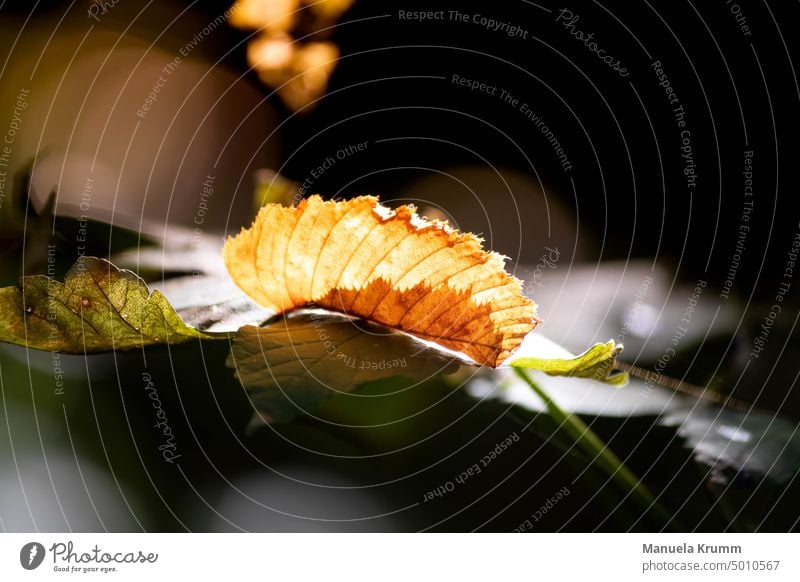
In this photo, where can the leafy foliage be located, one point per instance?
(97, 308)
(292, 365)
(596, 363)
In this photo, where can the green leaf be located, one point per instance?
(97, 308)
(292, 365)
(596, 363)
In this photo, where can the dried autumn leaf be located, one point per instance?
(388, 266)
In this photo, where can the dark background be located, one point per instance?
(625, 197)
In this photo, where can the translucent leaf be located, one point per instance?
(387, 266)
(97, 308)
(292, 365)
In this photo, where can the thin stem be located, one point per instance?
(603, 456)
(685, 387)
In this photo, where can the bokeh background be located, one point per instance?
(651, 200)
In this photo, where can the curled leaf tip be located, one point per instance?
(597, 363)
(389, 266)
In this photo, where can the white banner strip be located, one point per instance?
(401, 557)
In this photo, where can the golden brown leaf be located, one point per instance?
(388, 266)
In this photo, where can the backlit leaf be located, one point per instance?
(391, 267)
(97, 308)
(293, 364)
